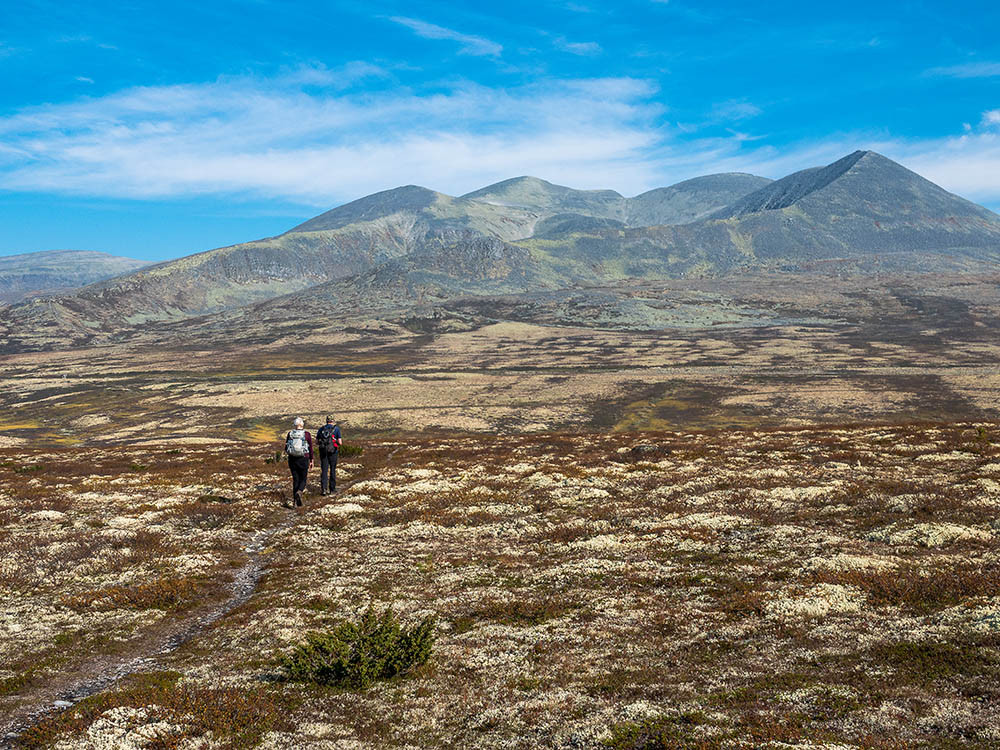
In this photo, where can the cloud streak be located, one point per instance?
(470, 45)
(257, 138)
(967, 70)
(584, 49)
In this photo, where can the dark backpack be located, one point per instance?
(327, 442)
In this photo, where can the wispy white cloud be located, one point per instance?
(342, 77)
(84, 39)
(735, 109)
(83, 79)
(304, 137)
(247, 136)
(967, 70)
(470, 45)
(586, 49)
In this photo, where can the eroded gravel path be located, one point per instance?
(104, 671)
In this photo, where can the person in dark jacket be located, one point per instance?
(299, 447)
(328, 441)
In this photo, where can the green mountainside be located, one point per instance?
(342, 243)
(52, 271)
(862, 214)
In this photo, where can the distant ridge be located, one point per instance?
(539, 195)
(691, 200)
(57, 271)
(862, 214)
(377, 205)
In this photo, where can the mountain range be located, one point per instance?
(862, 214)
(53, 271)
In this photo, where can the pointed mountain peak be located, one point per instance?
(796, 186)
(863, 183)
(543, 197)
(377, 205)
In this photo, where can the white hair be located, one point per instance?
(298, 424)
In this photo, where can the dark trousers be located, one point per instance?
(327, 465)
(299, 466)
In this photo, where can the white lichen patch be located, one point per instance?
(818, 601)
(930, 535)
(725, 590)
(341, 509)
(846, 562)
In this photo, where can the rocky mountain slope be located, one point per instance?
(862, 214)
(691, 200)
(53, 271)
(345, 242)
(861, 204)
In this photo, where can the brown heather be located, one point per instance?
(834, 587)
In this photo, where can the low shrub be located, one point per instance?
(210, 498)
(927, 661)
(347, 451)
(355, 655)
(655, 733)
(918, 591)
(166, 593)
(231, 717)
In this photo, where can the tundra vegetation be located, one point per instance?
(831, 586)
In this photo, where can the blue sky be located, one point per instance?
(158, 129)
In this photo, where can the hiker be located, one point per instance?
(299, 447)
(328, 440)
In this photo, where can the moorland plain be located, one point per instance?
(862, 350)
(822, 587)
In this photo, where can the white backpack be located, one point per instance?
(296, 445)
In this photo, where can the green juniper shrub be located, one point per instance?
(355, 655)
(347, 451)
(657, 733)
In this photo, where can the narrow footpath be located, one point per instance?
(104, 671)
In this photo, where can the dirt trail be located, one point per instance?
(103, 671)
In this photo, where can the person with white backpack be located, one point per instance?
(299, 447)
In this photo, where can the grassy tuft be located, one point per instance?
(166, 593)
